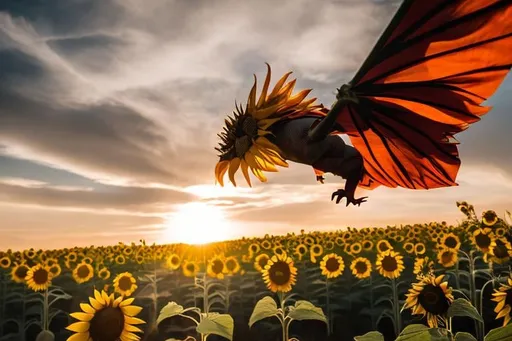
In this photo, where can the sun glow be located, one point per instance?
(198, 223)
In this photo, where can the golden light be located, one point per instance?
(198, 223)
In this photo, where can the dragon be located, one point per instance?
(424, 81)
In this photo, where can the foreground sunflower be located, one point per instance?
(39, 278)
(261, 261)
(361, 268)
(500, 251)
(125, 284)
(503, 296)
(447, 257)
(450, 241)
(431, 297)
(280, 273)
(106, 319)
(83, 272)
(390, 264)
(216, 267)
(482, 239)
(332, 265)
(423, 266)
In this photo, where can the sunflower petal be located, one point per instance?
(87, 308)
(245, 171)
(264, 90)
(98, 297)
(220, 170)
(279, 85)
(126, 302)
(78, 327)
(131, 310)
(233, 167)
(83, 317)
(79, 337)
(132, 329)
(133, 320)
(95, 304)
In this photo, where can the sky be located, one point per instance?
(109, 112)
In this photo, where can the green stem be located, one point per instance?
(205, 294)
(396, 308)
(155, 293)
(45, 310)
(284, 326)
(328, 303)
(374, 325)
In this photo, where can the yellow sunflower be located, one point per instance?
(243, 143)
(430, 297)
(266, 245)
(83, 272)
(216, 267)
(55, 269)
(106, 319)
(261, 261)
(447, 257)
(489, 218)
(356, 248)
(423, 266)
(450, 241)
(39, 277)
(120, 259)
(409, 247)
(104, 273)
(19, 272)
(173, 262)
(361, 267)
(232, 265)
(280, 273)
(301, 250)
(367, 245)
(390, 264)
(503, 296)
(482, 239)
(190, 268)
(315, 250)
(5, 262)
(383, 245)
(254, 248)
(125, 284)
(500, 251)
(419, 249)
(332, 265)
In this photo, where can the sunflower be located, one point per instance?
(106, 319)
(83, 272)
(500, 232)
(266, 245)
(450, 241)
(125, 284)
(383, 245)
(301, 250)
(423, 266)
(367, 245)
(19, 272)
(55, 269)
(315, 250)
(361, 267)
(173, 262)
(261, 261)
(409, 247)
(332, 265)
(139, 258)
(431, 297)
(190, 268)
(232, 265)
(216, 267)
(329, 245)
(30, 253)
(243, 142)
(104, 273)
(309, 241)
(482, 239)
(503, 297)
(5, 262)
(120, 259)
(253, 249)
(339, 241)
(390, 264)
(356, 248)
(278, 249)
(489, 218)
(500, 251)
(280, 274)
(447, 257)
(419, 249)
(39, 278)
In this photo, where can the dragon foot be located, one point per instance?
(341, 193)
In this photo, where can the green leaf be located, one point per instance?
(438, 334)
(170, 310)
(266, 307)
(218, 324)
(415, 332)
(463, 336)
(500, 334)
(371, 336)
(462, 307)
(305, 310)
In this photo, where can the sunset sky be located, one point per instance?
(109, 112)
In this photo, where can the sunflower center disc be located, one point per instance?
(483, 240)
(217, 266)
(230, 265)
(40, 276)
(361, 267)
(263, 261)
(389, 264)
(279, 273)
(433, 299)
(107, 324)
(83, 271)
(125, 283)
(332, 265)
(500, 251)
(450, 242)
(21, 272)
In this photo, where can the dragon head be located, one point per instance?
(243, 142)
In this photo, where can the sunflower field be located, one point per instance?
(406, 283)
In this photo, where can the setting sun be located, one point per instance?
(197, 223)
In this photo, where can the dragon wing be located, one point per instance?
(424, 81)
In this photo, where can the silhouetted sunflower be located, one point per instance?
(106, 319)
(5, 262)
(482, 239)
(190, 268)
(423, 266)
(430, 297)
(104, 273)
(383, 245)
(361, 267)
(503, 296)
(216, 268)
(447, 257)
(173, 262)
(83, 272)
(261, 261)
(38, 278)
(19, 272)
(280, 273)
(232, 265)
(450, 241)
(489, 218)
(332, 265)
(389, 264)
(500, 251)
(125, 284)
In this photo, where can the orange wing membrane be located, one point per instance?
(425, 81)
